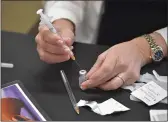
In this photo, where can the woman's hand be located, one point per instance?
(119, 65)
(50, 46)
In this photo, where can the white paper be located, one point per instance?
(160, 78)
(150, 93)
(134, 98)
(134, 86)
(158, 115)
(107, 107)
(146, 78)
(138, 100)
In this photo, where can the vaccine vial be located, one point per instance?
(82, 76)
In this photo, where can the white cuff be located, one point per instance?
(163, 32)
(61, 13)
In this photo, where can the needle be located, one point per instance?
(77, 64)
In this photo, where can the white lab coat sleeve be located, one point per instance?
(71, 10)
(163, 32)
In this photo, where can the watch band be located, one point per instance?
(151, 41)
(156, 50)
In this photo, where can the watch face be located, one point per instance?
(158, 54)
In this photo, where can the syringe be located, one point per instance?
(47, 22)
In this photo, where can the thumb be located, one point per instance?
(68, 41)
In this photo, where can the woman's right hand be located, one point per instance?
(51, 48)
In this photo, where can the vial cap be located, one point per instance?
(82, 72)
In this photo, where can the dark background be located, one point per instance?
(128, 19)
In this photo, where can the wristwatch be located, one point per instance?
(156, 50)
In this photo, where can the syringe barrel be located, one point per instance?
(46, 21)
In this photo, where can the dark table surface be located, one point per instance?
(44, 83)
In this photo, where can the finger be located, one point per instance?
(38, 38)
(68, 41)
(103, 74)
(116, 82)
(50, 37)
(42, 25)
(133, 74)
(109, 69)
(55, 49)
(71, 47)
(128, 77)
(51, 58)
(98, 63)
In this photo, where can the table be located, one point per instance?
(44, 82)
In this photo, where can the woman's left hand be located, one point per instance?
(119, 65)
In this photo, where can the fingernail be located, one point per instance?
(71, 47)
(82, 87)
(85, 85)
(67, 50)
(71, 53)
(67, 38)
(60, 41)
(66, 47)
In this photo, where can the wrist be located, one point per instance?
(143, 49)
(160, 41)
(63, 24)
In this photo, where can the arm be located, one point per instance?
(121, 64)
